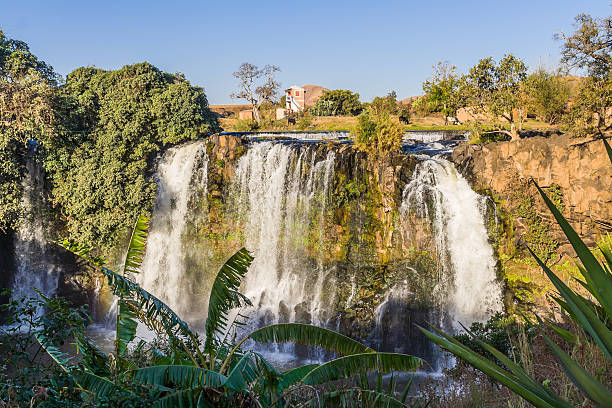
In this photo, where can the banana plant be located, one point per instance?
(592, 316)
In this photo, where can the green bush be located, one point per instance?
(337, 102)
(378, 134)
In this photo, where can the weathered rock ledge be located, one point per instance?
(580, 169)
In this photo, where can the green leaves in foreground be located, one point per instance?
(224, 295)
(348, 366)
(590, 316)
(311, 335)
(126, 312)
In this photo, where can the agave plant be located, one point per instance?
(594, 316)
(219, 372)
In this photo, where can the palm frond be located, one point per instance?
(62, 359)
(245, 372)
(355, 397)
(310, 335)
(98, 385)
(126, 317)
(137, 246)
(348, 366)
(179, 375)
(224, 295)
(126, 325)
(188, 398)
(94, 359)
(291, 377)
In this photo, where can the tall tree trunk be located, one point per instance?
(513, 132)
(256, 113)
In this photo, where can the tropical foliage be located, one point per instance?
(27, 113)
(591, 312)
(95, 134)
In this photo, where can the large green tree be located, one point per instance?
(27, 99)
(496, 88)
(446, 91)
(113, 125)
(590, 48)
(336, 103)
(546, 95)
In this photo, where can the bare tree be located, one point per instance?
(249, 75)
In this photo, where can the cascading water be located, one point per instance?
(35, 267)
(278, 204)
(181, 175)
(282, 194)
(438, 192)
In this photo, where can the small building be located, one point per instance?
(295, 99)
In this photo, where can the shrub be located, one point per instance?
(378, 134)
(337, 102)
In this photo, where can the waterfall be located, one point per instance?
(282, 193)
(35, 267)
(181, 175)
(277, 204)
(440, 194)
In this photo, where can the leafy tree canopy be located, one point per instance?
(378, 134)
(384, 104)
(590, 48)
(496, 88)
(446, 91)
(336, 103)
(546, 95)
(112, 125)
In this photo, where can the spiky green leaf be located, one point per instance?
(535, 395)
(598, 281)
(590, 386)
(582, 311)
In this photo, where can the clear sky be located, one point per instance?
(371, 47)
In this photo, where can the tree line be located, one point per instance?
(497, 96)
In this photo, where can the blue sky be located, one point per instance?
(371, 47)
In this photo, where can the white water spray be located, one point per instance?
(282, 194)
(182, 172)
(439, 193)
(34, 266)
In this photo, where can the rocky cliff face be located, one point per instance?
(577, 176)
(580, 170)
